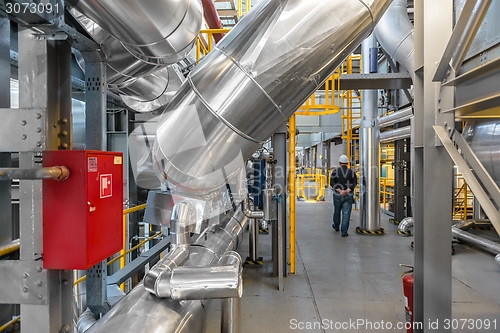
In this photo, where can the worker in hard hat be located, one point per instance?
(343, 182)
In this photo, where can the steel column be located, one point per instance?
(433, 204)
(5, 159)
(369, 151)
(44, 83)
(280, 184)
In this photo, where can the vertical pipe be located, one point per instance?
(349, 118)
(369, 150)
(254, 240)
(291, 184)
(122, 252)
(230, 312)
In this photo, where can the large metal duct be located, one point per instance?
(155, 31)
(252, 82)
(142, 312)
(143, 86)
(483, 136)
(369, 133)
(394, 32)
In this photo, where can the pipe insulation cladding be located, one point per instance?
(252, 82)
(159, 32)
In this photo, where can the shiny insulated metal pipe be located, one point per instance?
(154, 31)
(142, 312)
(56, 172)
(394, 32)
(483, 243)
(369, 133)
(230, 315)
(191, 283)
(143, 87)
(182, 216)
(252, 82)
(396, 134)
(396, 117)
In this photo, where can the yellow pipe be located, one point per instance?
(112, 261)
(247, 2)
(134, 248)
(215, 31)
(10, 323)
(9, 248)
(124, 246)
(134, 209)
(240, 8)
(291, 181)
(83, 278)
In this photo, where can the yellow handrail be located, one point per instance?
(10, 323)
(83, 278)
(10, 247)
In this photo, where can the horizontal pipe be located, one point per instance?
(396, 117)
(482, 243)
(466, 225)
(191, 283)
(497, 259)
(10, 247)
(396, 134)
(56, 172)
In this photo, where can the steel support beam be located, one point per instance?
(5, 157)
(44, 83)
(432, 165)
(279, 182)
(95, 105)
(375, 81)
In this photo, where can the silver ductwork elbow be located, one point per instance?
(253, 214)
(252, 82)
(182, 216)
(394, 32)
(159, 32)
(223, 280)
(405, 226)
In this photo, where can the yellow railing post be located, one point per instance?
(291, 182)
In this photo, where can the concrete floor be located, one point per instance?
(346, 281)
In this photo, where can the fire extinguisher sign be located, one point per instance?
(106, 181)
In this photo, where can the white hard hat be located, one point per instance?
(343, 159)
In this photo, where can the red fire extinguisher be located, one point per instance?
(408, 293)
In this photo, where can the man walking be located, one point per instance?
(343, 181)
